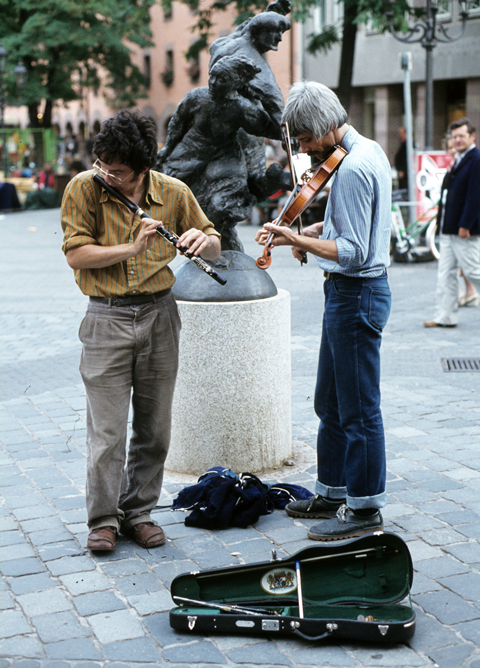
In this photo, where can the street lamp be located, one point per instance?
(428, 33)
(20, 72)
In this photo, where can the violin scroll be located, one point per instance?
(265, 260)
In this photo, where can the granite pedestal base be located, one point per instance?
(232, 404)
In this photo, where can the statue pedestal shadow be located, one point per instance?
(232, 403)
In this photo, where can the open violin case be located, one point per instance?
(347, 590)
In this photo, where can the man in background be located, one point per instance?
(400, 161)
(459, 215)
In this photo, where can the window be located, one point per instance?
(473, 7)
(320, 16)
(168, 73)
(147, 67)
(444, 10)
(337, 11)
(167, 10)
(193, 69)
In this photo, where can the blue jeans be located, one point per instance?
(351, 441)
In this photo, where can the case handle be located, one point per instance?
(330, 629)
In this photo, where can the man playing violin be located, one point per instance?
(352, 249)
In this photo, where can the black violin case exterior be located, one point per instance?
(346, 590)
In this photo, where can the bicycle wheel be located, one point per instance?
(433, 239)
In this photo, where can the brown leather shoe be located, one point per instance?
(102, 539)
(432, 323)
(146, 534)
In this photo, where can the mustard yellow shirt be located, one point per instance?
(90, 215)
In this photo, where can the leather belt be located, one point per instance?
(330, 276)
(132, 300)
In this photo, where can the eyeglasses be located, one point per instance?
(104, 173)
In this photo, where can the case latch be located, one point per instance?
(383, 628)
(270, 625)
(192, 620)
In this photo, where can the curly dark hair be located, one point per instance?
(128, 138)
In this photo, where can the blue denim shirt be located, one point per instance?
(358, 214)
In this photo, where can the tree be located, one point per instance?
(69, 44)
(355, 13)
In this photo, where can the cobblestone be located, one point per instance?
(62, 607)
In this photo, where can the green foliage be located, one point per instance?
(67, 44)
(365, 11)
(370, 12)
(198, 45)
(323, 41)
(244, 9)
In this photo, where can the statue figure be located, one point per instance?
(253, 38)
(215, 141)
(202, 147)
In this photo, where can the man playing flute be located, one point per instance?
(130, 333)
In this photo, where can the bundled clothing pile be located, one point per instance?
(223, 499)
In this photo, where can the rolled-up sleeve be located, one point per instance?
(78, 215)
(353, 224)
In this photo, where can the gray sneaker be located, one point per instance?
(346, 524)
(315, 506)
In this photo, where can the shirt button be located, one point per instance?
(134, 292)
(131, 272)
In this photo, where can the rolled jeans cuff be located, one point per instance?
(360, 502)
(333, 493)
(353, 502)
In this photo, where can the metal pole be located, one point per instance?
(2, 126)
(428, 43)
(429, 98)
(407, 103)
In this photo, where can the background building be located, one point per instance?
(377, 97)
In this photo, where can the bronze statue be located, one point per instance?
(215, 141)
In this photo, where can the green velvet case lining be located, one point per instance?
(374, 569)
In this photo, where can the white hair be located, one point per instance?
(314, 109)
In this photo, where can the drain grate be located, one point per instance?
(461, 364)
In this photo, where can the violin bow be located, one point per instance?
(264, 261)
(288, 147)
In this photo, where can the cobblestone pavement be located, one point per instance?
(62, 607)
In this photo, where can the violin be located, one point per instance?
(302, 196)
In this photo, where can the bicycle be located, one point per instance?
(405, 241)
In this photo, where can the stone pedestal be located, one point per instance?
(232, 404)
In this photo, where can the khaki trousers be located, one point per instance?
(130, 353)
(455, 252)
